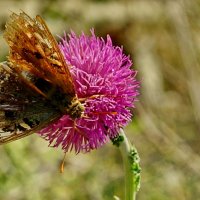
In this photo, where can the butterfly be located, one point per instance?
(36, 86)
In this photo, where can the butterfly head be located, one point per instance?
(75, 109)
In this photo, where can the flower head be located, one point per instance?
(107, 86)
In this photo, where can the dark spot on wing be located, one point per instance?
(38, 55)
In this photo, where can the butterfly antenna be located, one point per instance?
(62, 166)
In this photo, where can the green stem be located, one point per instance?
(131, 167)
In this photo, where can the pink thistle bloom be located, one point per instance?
(102, 76)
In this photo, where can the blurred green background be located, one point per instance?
(163, 39)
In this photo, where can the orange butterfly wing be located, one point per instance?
(34, 55)
(35, 52)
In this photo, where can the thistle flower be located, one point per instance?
(106, 84)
